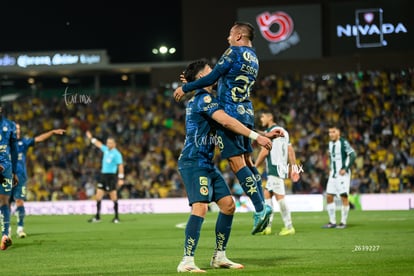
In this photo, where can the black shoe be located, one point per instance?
(329, 225)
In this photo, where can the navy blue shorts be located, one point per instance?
(19, 191)
(6, 181)
(204, 185)
(233, 144)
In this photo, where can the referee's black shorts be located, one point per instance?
(108, 181)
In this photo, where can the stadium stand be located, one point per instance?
(375, 109)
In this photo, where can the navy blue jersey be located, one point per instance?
(23, 145)
(236, 73)
(8, 145)
(200, 138)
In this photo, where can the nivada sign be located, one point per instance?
(367, 27)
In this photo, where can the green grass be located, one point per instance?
(152, 244)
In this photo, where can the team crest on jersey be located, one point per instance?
(5, 128)
(207, 99)
(204, 190)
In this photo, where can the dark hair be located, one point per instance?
(247, 27)
(334, 125)
(278, 117)
(192, 69)
(268, 111)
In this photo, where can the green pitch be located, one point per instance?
(375, 243)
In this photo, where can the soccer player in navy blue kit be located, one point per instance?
(236, 72)
(203, 181)
(19, 191)
(112, 175)
(8, 174)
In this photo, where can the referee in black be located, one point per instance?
(112, 174)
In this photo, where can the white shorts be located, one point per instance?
(276, 185)
(338, 185)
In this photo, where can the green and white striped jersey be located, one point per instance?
(339, 152)
(277, 159)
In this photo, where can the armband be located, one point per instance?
(253, 135)
(93, 140)
(121, 176)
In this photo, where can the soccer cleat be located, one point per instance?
(219, 260)
(21, 233)
(5, 242)
(341, 226)
(94, 219)
(189, 266)
(267, 231)
(261, 219)
(286, 231)
(115, 220)
(329, 225)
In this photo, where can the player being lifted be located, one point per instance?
(236, 73)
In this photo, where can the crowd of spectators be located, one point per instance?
(374, 109)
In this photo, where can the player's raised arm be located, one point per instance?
(44, 136)
(94, 141)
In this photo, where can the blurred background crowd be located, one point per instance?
(374, 109)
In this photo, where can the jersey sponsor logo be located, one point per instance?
(203, 181)
(249, 57)
(210, 106)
